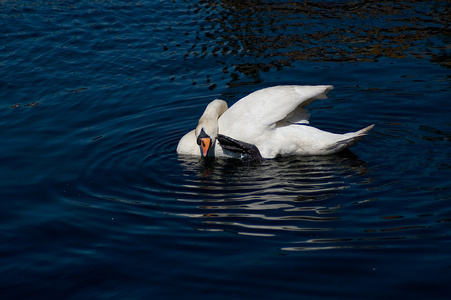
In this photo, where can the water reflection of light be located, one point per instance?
(285, 195)
(360, 242)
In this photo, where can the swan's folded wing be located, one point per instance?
(269, 106)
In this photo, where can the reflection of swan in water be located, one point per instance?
(268, 123)
(284, 195)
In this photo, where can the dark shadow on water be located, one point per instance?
(232, 169)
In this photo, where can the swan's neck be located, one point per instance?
(209, 120)
(214, 110)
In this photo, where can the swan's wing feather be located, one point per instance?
(298, 116)
(268, 106)
(245, 150)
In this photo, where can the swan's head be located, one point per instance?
(207, 129)
(206, 141)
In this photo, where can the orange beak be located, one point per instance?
(205, 144)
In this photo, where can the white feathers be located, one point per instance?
(273, 119)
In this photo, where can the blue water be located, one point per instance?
(96, 204)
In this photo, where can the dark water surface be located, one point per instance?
(95, 203)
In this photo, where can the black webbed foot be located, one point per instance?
(248, 151)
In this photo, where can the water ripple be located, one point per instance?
(270, 197)
(298, 200)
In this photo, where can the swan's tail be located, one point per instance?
(363, 131)
(351, 138)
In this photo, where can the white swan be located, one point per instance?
(274, 120)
